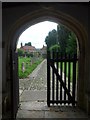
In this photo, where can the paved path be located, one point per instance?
(33, 98)
(37, 80)
(34, 88)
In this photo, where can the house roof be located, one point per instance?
(28, 47)
(44, 48)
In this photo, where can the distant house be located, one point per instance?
(43, 51)
(29, 49)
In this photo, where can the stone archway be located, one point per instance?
(59, 17)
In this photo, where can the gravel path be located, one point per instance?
(37, 80)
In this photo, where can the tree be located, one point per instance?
(71, 44)
(63, 34)
(55, 48)
(29, 44)
(51, 39)
(64, 38)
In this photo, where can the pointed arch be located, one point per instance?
(58, 17)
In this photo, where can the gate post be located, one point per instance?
(48, 78)
(74, 79)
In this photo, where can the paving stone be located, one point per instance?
(30, 114)
(33, 95)
(20, 92)
(59, 114)
(53, 114)
(34, 105)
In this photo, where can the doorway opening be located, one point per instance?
(33, 88)
(32, 57)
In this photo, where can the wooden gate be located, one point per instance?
(14, 83)
(61, 79)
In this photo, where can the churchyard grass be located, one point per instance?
(28, 66)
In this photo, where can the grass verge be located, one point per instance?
(28, 68)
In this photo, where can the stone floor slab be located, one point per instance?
(53, 114)
(30, 114)
(65, 112)
(34, 105)
(32, 95)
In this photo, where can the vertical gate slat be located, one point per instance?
(48, 78)
(69, 75)
(61, 77)
(65, 76)
(53, 78)
(74, 79)
(57, 79)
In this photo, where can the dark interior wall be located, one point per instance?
(13, 12)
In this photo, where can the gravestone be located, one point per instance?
(23, 67)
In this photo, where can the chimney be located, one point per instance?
(21, 45)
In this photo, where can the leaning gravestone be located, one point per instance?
(23, 67)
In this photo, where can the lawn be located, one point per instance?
(28, 67)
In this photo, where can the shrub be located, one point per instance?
(20, 52)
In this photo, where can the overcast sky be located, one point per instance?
(36, 34)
